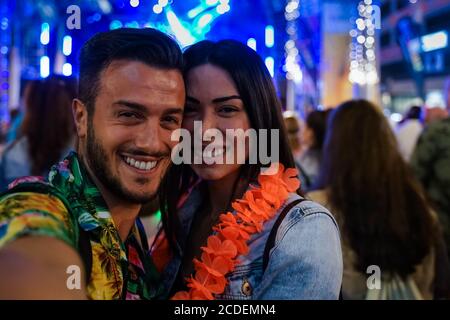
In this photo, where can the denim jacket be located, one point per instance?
(304, 263)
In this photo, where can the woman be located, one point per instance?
(47, 131)
(382, 213)
(312, 138)
(292, 124)
(228, 87)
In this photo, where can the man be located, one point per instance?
(84, 216)
(431, 163)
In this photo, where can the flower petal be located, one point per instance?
(181, 295)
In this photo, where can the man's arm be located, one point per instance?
(35, 267)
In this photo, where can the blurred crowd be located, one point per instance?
(388, 187)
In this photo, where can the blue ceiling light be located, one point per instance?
(434, 41)
(223, 8)
(194, 12)
(204, 20)
(67, 45)
(44, 67)
(157, 9)
(104, 6)
(163, 3)
(132, 24)
(270, 64)
(67, 69)
(269, 36)
(251, 42)
(97, 17)
(115, 24)
(182, 34)
(45, 33)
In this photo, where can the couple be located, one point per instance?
(229, 231)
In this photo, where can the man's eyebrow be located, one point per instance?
(173, 111)
(140, 107)
(132, 105)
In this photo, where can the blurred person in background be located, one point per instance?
(292, 123)
(408, 131)
(435, 114)
(431, 164)
(312, 138)
(46, 133)
(15, 121)
(381, 210)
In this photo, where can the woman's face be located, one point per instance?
(307, 136)
(213, 99)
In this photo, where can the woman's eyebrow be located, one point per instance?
(223, 99)
(216, 100)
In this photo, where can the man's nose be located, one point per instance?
(149, 138)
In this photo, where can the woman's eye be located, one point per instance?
(228, 109)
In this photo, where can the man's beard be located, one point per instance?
(100, 168)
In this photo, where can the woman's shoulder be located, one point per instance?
(307, 209)
(308, 243)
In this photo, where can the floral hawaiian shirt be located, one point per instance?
(60, 207)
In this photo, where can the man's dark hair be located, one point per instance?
(148, 46)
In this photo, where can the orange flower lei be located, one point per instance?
(219, 257)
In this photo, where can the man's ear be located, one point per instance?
(80, 116)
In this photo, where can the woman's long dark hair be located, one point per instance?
(48, 123)
(255, 87)
(385, 216)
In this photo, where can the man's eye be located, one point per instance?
(171, 120)
(129, 115)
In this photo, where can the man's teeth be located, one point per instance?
(142, 165)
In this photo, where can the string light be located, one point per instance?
(5, 41)
(291, 66)
(363, 67)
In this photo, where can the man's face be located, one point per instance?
(126, 141)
